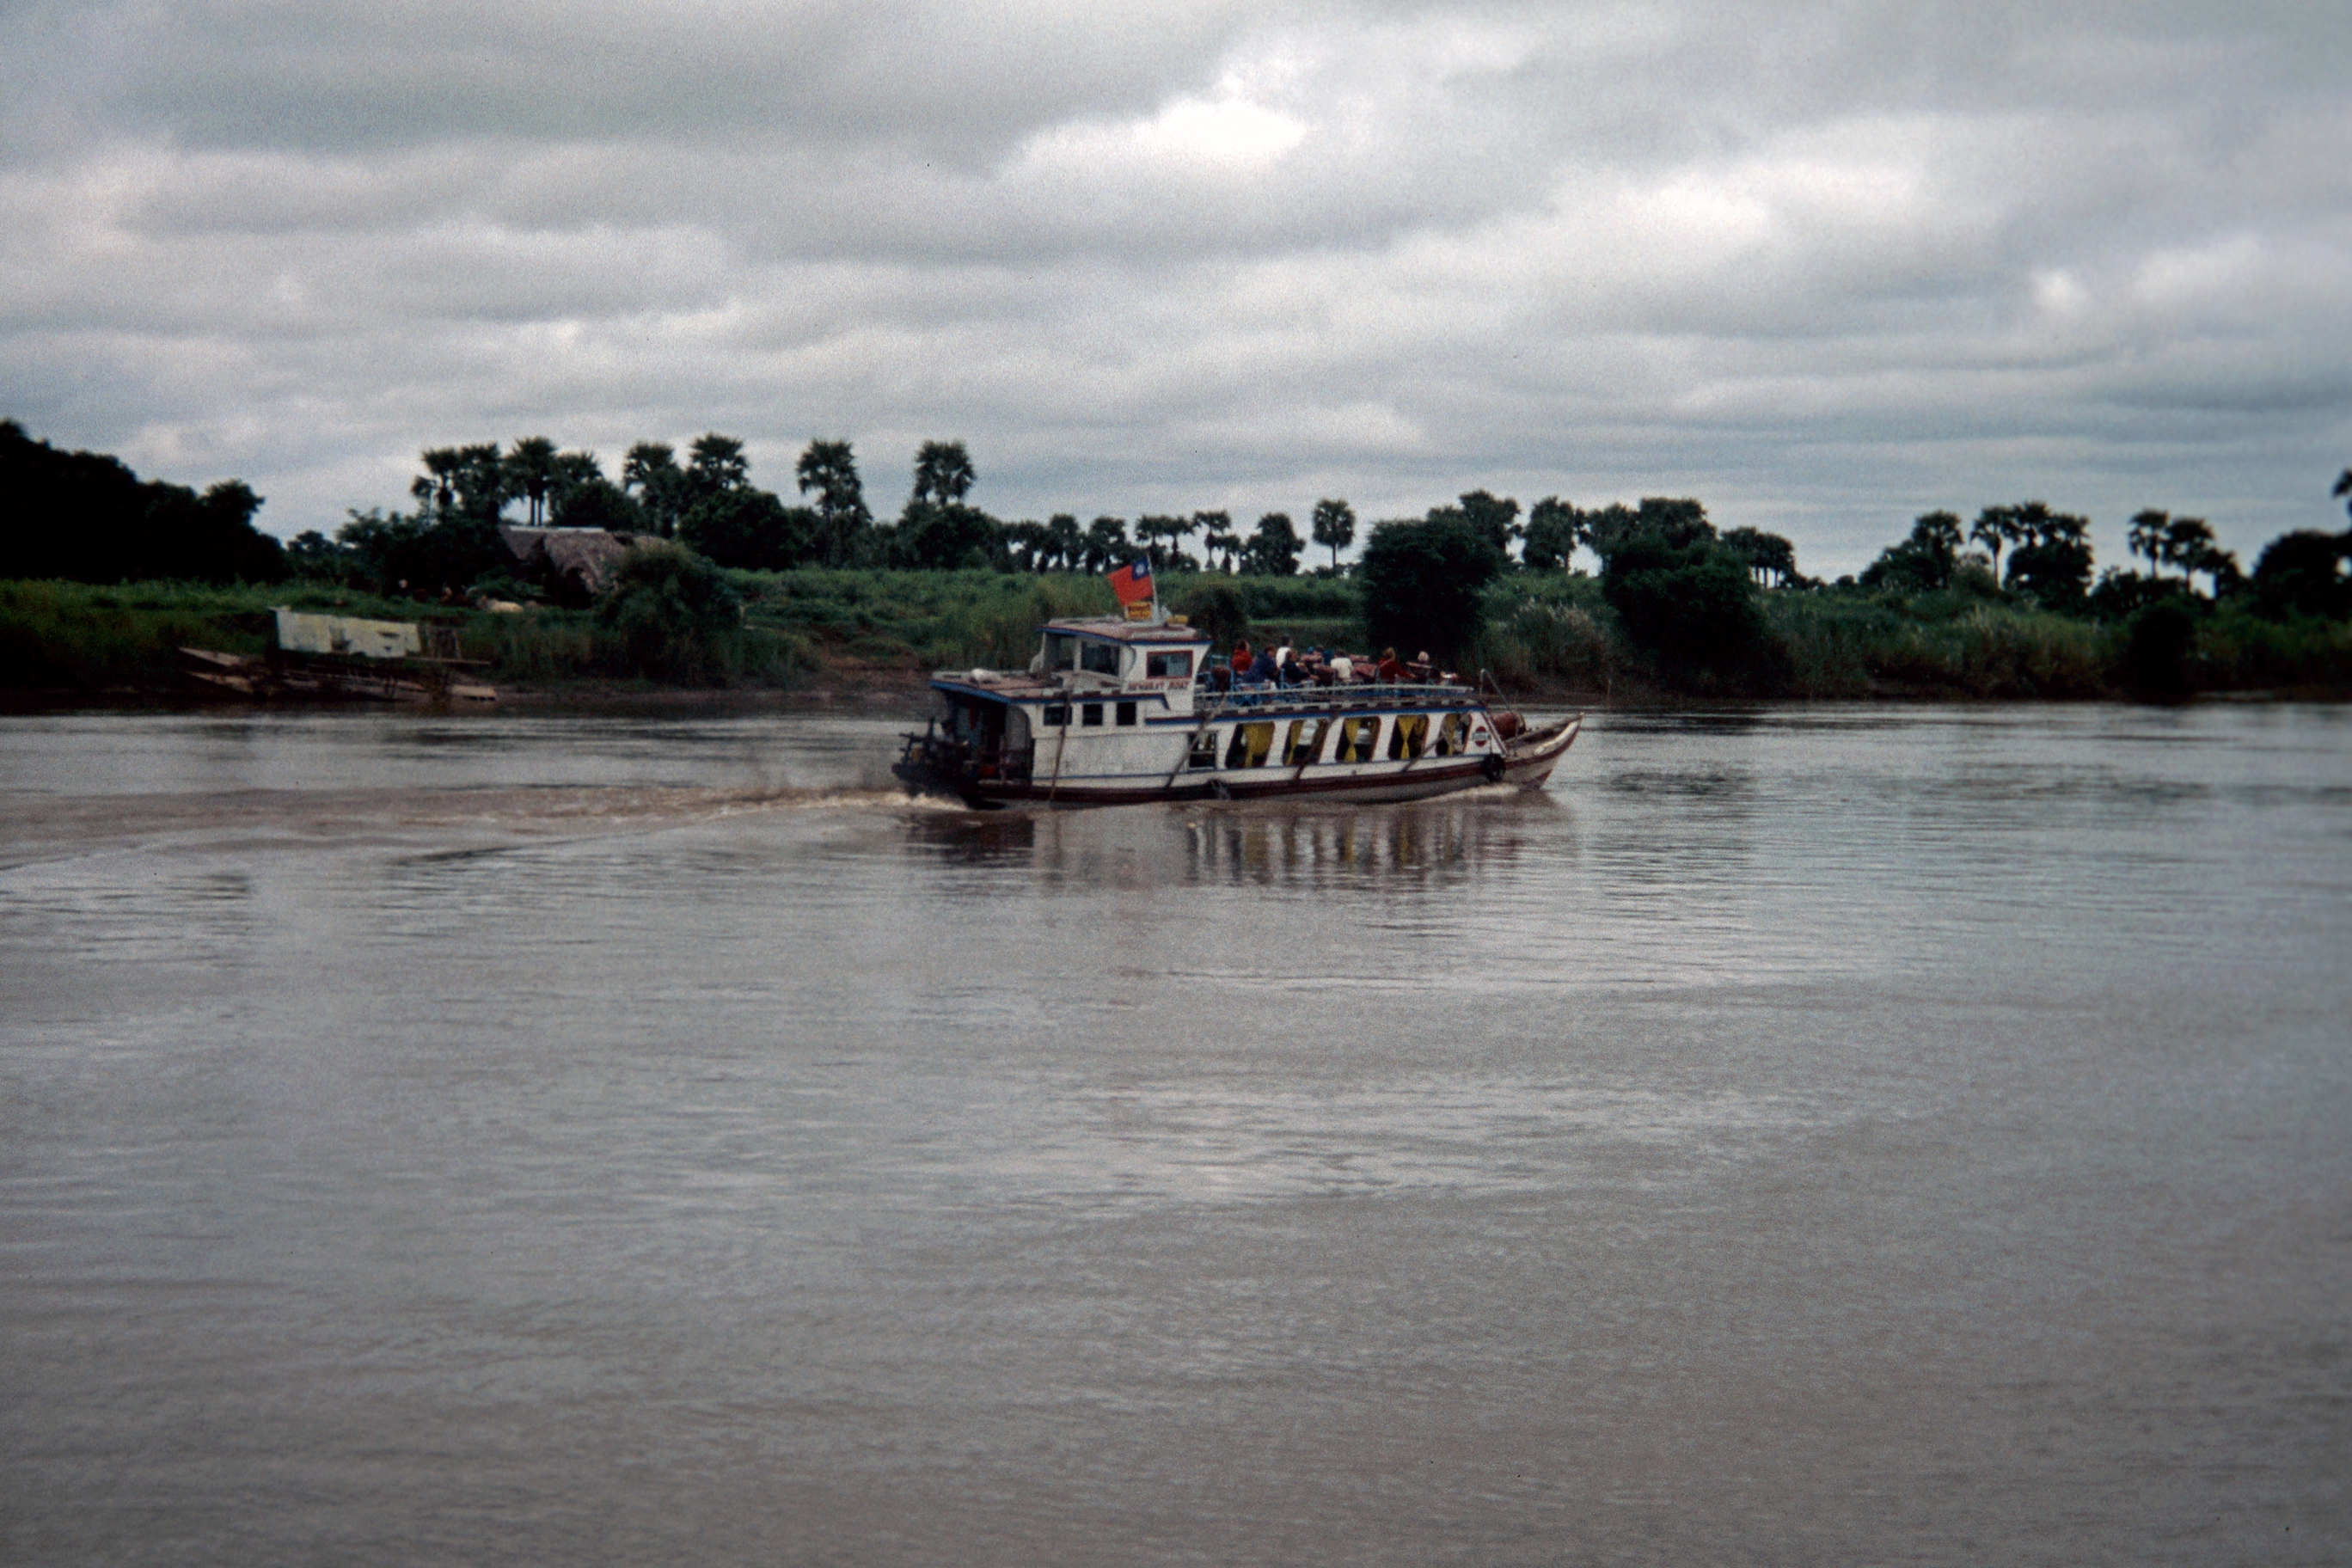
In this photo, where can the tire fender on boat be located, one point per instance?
(1493, 766)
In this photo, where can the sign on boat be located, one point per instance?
(1115, 712)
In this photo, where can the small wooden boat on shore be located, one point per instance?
(1119, 712)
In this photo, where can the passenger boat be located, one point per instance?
(1117, 712)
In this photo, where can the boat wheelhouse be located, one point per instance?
(1119, 711)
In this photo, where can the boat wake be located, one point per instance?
(36, 827)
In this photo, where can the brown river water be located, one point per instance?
(1805, 1135)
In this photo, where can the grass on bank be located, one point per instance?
(1542, 630)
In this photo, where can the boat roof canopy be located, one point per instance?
(1114, 631)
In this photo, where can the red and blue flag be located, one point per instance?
(1133, 581)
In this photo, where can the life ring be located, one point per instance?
(1493, 766)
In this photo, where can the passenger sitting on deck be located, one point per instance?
(1421, 666)
(1343, 667)
(1240, 663)
(1390, 671)
(1293, 672)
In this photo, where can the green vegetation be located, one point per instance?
(718, 583)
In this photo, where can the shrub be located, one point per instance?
(670, 615)
(2157, 646)
(1216, 607)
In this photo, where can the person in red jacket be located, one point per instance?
(1391, 670)
(1240, 661)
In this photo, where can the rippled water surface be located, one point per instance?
(1797, 1135)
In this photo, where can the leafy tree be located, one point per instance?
(1105, 544)
(422, 556)
(947, 536)
(1423, 583)
(1334, 528)
(651, 473)
(943, 472)
(598, 503)
(1692, 607)
(1555, 528)
(1677, 523)
(745, 527)
(530, 469)
(2303, 573)
(312, 553)
(1497, 518)
(1273, 549)
(85, 516)
(830, 469)
(669, 614)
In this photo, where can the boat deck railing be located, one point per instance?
(1334, 699)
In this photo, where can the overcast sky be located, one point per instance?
(1823, 266)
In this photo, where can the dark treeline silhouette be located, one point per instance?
(85, 517)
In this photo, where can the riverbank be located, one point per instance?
(868, 640)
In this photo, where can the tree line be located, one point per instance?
(86, 517)
(1674, 578)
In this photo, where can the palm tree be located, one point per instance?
(1992, 529)
(651, 472)
(530, 465)
(569, 472)
(1105, 544)
(830, 469)
(717, 464)
(1334, 527)
(943, 472)
(438, 487)
(2147, 537)
(1066, 540)
(2189, 544)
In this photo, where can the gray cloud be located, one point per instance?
(1824, 267)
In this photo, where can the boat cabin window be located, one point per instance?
(1250, 744)
(1127, 714)
(1454, 735)
(1102, 657)
(1407, 737)
(1060, 651)
(1204, 750)
(1356, 737)
(1169, 665)
(1055, 716)
(1304, 744)
(1090, 715)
